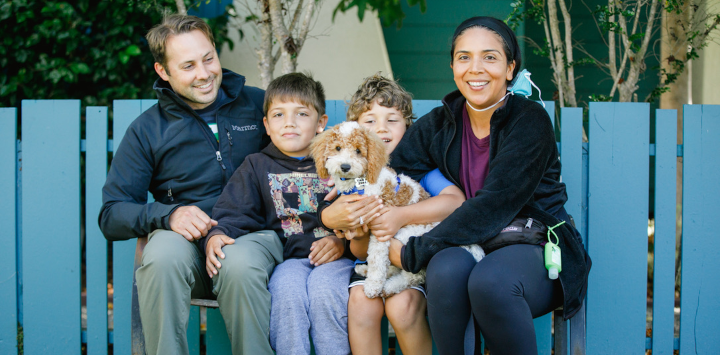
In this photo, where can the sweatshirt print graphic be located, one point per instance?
(294, 194)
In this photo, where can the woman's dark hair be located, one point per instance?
(510, 44)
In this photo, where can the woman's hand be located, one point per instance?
(349, 212)
(326, 250)
(387, 224)
(394, 252)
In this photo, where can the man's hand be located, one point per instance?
(213, 250)
(191, 222)
(388, 223)
(326, 250)
(351, 211)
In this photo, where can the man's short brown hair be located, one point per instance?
(174, 25)
(296, 87)
(386, 93)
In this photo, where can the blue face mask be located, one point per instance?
(522, 85)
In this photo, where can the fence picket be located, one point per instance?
(125, 111)
(96, 262)
(664, 252)
(571, 154)
(544, 324)
(700, 264)
(51, 253)
(618, 191)
(8, 235)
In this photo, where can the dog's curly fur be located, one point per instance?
(349, 151)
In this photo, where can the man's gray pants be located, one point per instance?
(173, 272)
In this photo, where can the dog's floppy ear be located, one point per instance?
(318, 149)
(376, 155)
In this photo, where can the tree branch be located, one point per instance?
(309, 12)
(558, 48)
(181, 7)
(569, 54)
(553, 60)
(296, 16)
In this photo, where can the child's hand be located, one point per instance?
(387, 224)
(333, 193)
(214, 250)
(360, 232)
(326, 250)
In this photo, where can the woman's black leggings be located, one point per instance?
(504, 291)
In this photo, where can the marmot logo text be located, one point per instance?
(252, 127)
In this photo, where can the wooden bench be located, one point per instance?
(50, 185)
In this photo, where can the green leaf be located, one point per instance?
(55, 76)
(80, 68)
(361, 10)
(21, 56)
(123, 57)
(133, 50)
(5, 11)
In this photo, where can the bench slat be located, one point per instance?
(571, 154)
(664, 252)
(700, 264)
(618, 191)
(96, 128)
(51, 256)
(8, 235)
(125, 111)
(544, 324)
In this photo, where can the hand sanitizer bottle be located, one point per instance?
(553, 263)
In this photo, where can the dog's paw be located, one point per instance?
(373, 288)
(477, 252)
(395, 285)
(361, 269)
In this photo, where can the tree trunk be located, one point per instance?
(570, 93)
(266, 63)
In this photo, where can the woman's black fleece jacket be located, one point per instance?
(523, 180)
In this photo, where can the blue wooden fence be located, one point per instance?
(607, 183)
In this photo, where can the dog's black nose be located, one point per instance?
(345, 167)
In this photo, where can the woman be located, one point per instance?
(500, 150)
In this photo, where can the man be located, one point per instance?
(184, 150)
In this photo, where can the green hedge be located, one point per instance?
(87, 49)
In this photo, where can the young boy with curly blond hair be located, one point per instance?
(384, 107)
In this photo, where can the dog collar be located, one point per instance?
(359, 187)
(360, 184)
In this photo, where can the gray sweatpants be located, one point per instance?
(312, 299)
(173, 271)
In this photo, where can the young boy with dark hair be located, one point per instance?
(278, 189)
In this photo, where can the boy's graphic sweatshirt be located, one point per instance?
(271, 190)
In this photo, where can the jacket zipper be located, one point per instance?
(219, 159)
(213, 143)
(229, 136)
(447, 147)
(170, 196)
(529, 223)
